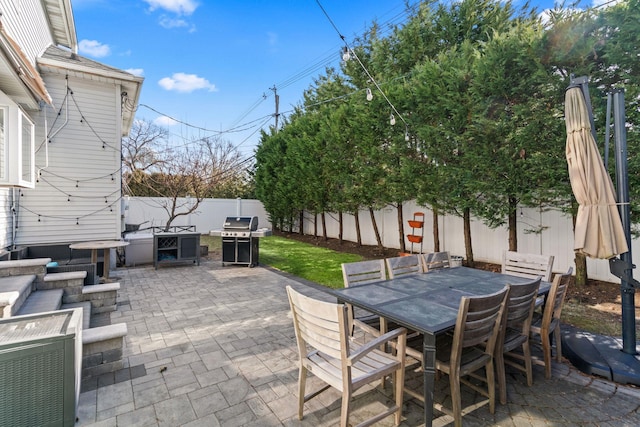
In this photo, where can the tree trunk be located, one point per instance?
(356, 216)
(315, 225)
(513, 227)
(375, 226)
(466, 219)
(301, 221)
(324, 226)
(340, 227)
(436, 232)
(403, 247)
(580, 259)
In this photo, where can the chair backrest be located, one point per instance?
(363, 272)
(521, 305)
(555, 298)
(527, 265)
(320, 325)
(403, 265)
(436, 260)
(478, 322)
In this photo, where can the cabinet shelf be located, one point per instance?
(176, 247)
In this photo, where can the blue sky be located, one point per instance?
(212, 63)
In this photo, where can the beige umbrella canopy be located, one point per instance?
(598, 232)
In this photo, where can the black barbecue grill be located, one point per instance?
(240, 240)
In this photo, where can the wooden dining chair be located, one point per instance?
(526, 265)
(549, 321)
(327, 349)
(362, 273)
(436, 260)
(404, 265)
(514, 334)
(469, 352)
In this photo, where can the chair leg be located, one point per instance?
(558, 339)
(502, 380)
(526, 351)
(491, 386)
(456, 403)
(344, 413)
(398, 379)
(302, 380)
(546, 350)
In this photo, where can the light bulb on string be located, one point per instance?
(392, 119)
(68, 198)
(345, 54)
(369, 94)
(77, 221)
(406, 135)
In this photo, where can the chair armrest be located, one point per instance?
(400, 333)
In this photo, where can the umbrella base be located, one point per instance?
(600, 355)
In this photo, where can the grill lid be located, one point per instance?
(249, 223)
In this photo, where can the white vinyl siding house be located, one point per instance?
(80, 110)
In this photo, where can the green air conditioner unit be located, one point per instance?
(40, 363)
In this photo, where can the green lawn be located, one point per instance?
(307, 261)
(310, 262)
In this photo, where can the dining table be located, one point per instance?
(427, 303)
(106, 246)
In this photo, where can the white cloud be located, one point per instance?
(168, 23)
(186, 83)
(94, 48)
(164, 121)
(605, 3)
(180, 7)
(136, 71)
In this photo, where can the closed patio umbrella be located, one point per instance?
(598, 232)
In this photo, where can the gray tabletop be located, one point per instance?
(427, 302)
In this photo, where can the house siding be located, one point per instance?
(5, 218)
(26, 23)
(77, 193)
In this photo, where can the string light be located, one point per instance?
(369, 94)
(345, 54)
(392, 120)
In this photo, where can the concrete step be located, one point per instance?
(42, 301)
(86, 312)
(14, 290)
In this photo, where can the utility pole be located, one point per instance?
(277, 98)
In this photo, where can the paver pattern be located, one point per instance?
(214, 346)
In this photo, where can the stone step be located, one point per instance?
(86, 312)
(42, 301)
(14, 290)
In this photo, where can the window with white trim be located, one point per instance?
(17, 144)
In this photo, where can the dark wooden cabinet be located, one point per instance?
(170, 247)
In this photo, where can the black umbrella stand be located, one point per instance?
(603, 355)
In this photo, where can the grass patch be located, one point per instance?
(307, 261)
(310, 262)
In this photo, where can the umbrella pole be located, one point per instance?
(627, 283)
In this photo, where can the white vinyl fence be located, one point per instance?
(210, 214)
(539, 231)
